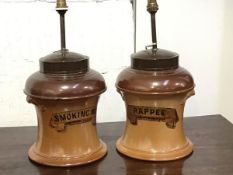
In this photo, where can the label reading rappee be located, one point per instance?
(157, 114)
(60, 120)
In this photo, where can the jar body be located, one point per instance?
(154, 125)
(66, 132)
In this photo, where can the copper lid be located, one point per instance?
(64, 62)
(154, 60)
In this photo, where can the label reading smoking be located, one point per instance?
(157, 114)
(60, 120)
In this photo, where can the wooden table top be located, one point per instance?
(213, 152)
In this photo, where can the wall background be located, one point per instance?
(200, 31)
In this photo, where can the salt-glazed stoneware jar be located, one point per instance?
(65, 92)
(154, 89)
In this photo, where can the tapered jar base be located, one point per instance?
(174, 154)
(67, 161)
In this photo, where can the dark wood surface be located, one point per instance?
(211, 135)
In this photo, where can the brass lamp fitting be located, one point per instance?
(61, 9)
(152, 6)
(61, 4)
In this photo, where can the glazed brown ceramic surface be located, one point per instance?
(155, 103)
(66, 106)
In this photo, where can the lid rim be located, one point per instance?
(154, 60)
(64, 62)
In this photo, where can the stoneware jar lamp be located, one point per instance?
(65, 92)
(154, 89)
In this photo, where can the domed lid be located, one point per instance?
(154, 60)
(64, 62)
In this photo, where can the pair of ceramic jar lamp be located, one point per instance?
(65, 93)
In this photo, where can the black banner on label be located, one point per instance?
(158, 114)
(60, 120)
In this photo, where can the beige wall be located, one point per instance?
(200, 31)
(226, 64)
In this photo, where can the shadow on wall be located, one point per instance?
(226, 64)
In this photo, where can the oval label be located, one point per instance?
(157, 114)
(60, 120)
